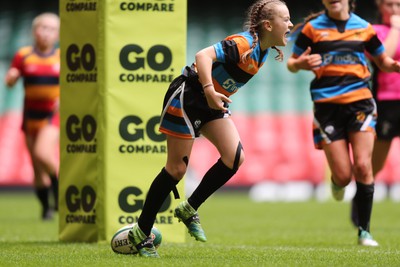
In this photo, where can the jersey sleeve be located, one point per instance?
(303, 40)
(17, 60)
(230, 49)
(373, 45)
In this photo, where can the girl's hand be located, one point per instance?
(216, 100)
(12, 77)
(396, 66)
(308, 61)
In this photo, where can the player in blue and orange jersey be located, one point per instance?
(197, 103)
(39, 66)
(332, 44)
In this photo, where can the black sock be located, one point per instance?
(364, 200)
(215, 178)
(43, 196)
(158, 192)
(54, 188)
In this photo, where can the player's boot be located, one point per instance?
(47, 214)
(144, 244)
(365, 239)
(189, 216)
(337, 191)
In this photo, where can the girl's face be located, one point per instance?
(280, 25)
(46, 32)
(387, 8)
(337, 9)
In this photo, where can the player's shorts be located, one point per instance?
(31, 125)
(333, 122)
(388, 124)
(185, 108)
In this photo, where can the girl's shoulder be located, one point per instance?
(241, 35)
(243, 38)
(319, 22)
(323, 21)
(357, 21)
(25, 50)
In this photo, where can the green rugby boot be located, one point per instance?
(365, 239)
(144, 244)
(337, 191)
(189, 216)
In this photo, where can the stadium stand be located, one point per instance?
(272, 113)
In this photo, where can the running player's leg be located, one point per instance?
(41, 181)
(45, 149)
(222, 133)
(178, 150)
(379, 156)
(362, 145)
(224, 136)
(337, 154)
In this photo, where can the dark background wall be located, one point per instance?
(204, 8)
(209, 21)
(298, 8)
(276, 102)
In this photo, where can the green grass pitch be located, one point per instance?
(239, 231)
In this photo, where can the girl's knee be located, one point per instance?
(177, 171)
(362, 169)
(234, 161)
(342, 179)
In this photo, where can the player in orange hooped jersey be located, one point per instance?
(333, 44)
(39, 67)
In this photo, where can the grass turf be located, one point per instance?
(239, 231)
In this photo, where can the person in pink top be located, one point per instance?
(386, 87)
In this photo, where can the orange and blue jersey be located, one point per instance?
(343, 76)
(40, 74)
(229, 73)
(186, 109)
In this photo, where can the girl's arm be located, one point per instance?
(386, 63)
(12, 76)
(204, 61)
(305, 61)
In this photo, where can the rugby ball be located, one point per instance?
(120, 242)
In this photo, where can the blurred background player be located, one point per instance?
(197, 103)
(386, 88)
(39, 66)
(332, 44)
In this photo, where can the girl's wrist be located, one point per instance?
(207, 85)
